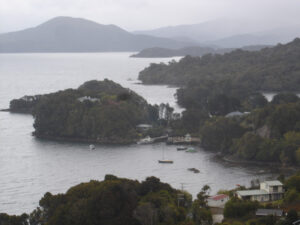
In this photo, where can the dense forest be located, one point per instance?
(118, 201)
(270, 69)
(271, 133)
(225, 107)
(101, 111)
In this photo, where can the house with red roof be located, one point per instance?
(217, 200)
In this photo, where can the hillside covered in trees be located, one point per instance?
(214, 86)
(100, 111)
(270, 69)
(118, 201)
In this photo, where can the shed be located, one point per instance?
(267, 212)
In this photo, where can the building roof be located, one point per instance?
(218, 197)
(235, 113)
(252, 192)
(144, 126)
(273, 183)
(266, 212)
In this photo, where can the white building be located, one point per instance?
(187, 138)
(88, 98)
(269, 191)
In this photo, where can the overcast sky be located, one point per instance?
(147, 14)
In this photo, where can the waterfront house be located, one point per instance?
(217, 200)
(269, 191)
(187, 138)
(144, 127)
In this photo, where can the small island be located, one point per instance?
(157, 52)
(98, 111)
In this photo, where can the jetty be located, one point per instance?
(185, 140)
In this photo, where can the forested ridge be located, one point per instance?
(118, 201)
(270, 69)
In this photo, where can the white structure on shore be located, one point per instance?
(269, 191)
(88, 98)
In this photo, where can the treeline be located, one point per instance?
(269, 133)
(100, 111)
(117, 201)
(270, 69)
(216, 90)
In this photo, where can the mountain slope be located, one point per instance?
(202, 32)
(66, 34)
(268, 37)
(227, 33)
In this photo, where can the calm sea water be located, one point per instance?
(29, 167)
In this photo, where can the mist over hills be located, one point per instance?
(67, 34)
(226, 34)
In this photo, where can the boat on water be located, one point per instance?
(165, 161)
(191, 150)
(194, 170)
(181, 148)
(92, 147)
(146, 140)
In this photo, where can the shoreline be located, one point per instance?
(84, 140)
(290, 169)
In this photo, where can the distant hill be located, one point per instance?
(192, 51)
(269, 37)
(226, 33)
(201, 32)
(66, 34)
(165, 52)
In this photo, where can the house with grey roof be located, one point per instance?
(269, 191)
(267, 212)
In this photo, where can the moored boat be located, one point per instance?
(181, 148)
(165, 161)
(191, 150)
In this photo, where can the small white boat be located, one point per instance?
(146, 140)
(191, 150)
(92, 147)
(181, 148)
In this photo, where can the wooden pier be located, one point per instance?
(182, 140)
